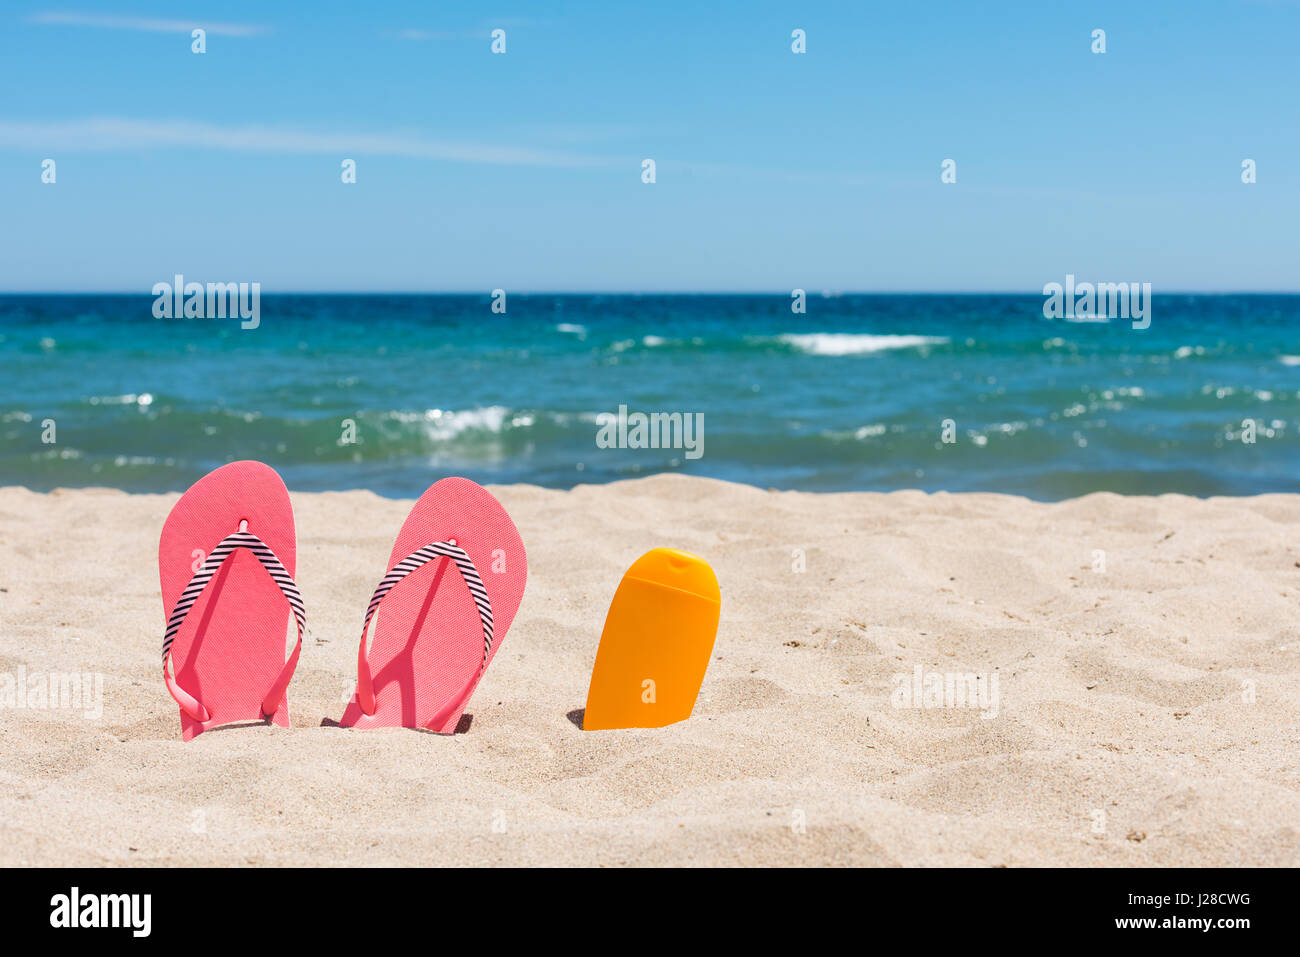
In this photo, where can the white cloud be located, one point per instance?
(146, 24)
(120, 133)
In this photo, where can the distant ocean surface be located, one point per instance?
(851, 395)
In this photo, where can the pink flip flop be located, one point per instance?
(226, 561)
(456, 578)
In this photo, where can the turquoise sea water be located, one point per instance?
(851, 395)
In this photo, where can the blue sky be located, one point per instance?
(774, 170)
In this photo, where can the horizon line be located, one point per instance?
(821, 294)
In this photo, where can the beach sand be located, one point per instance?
(1148, 712)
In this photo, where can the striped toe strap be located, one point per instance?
(262, 552)
(418, 558)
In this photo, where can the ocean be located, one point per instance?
(861, 392)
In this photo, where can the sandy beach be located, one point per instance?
(1140, 660)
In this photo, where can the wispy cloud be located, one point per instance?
(115, 133)
(511, 22)
(412, 33)
(483, 31)
(120, 133)
(146, 24)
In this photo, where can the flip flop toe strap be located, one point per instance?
(417, 559)
(275, 568)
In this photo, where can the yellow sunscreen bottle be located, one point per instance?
(656, 644)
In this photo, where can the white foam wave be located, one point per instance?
(852, 344)
(442, 425)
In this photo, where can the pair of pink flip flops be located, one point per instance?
(227, 559)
